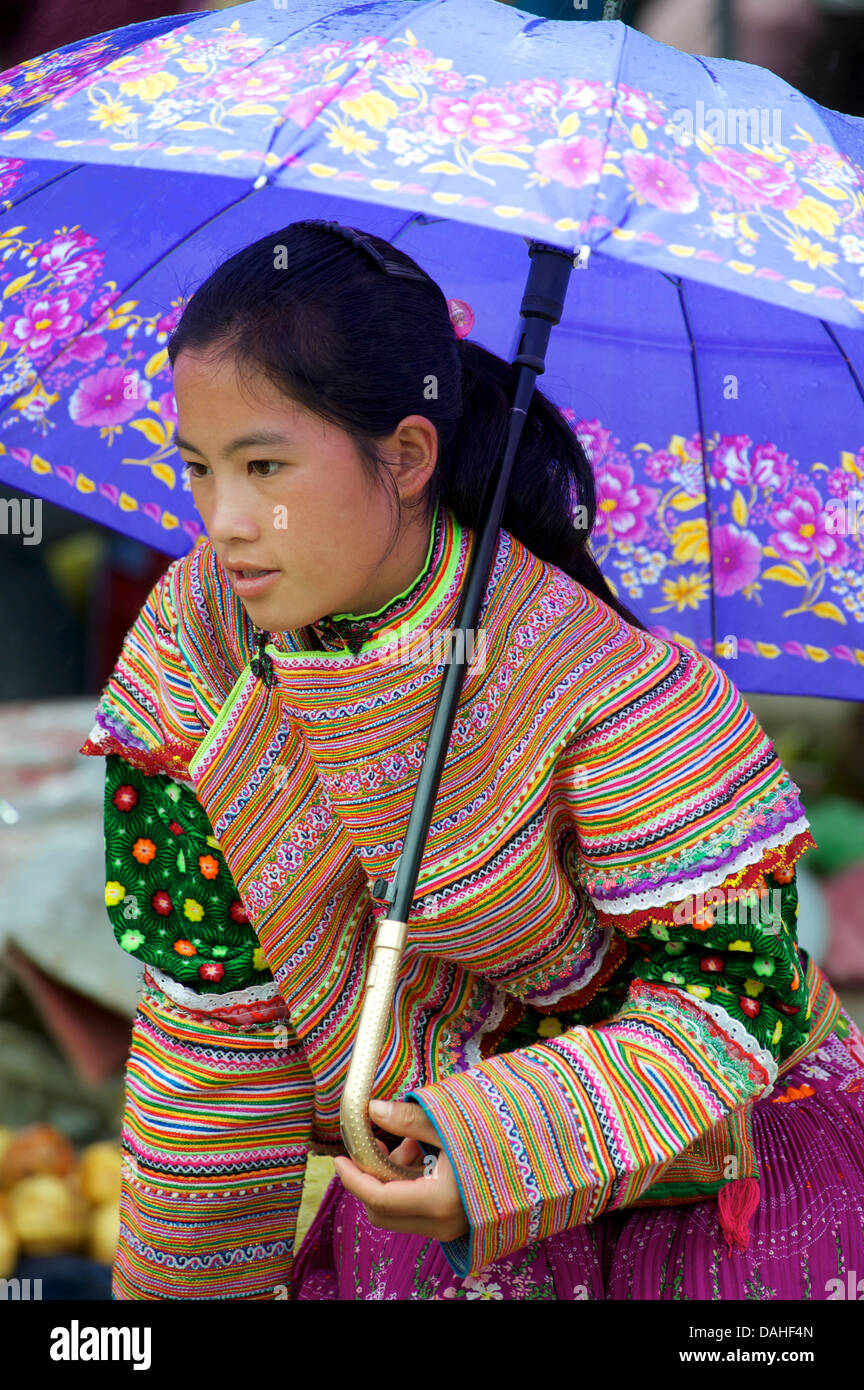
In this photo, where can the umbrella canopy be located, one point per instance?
(553, 130)
(711, 353)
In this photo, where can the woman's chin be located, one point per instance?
(271, 617)
(263, 614)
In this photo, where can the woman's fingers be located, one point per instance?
(408, 1153)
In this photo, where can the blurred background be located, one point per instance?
(67, 992)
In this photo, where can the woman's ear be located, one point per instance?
(415, 447)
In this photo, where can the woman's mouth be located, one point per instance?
(250, 582)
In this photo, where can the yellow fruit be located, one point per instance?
(8, 1247)
(104, 1232)
(100, 1173)
(37, 1148)
(550, 1028)
(47, 1215)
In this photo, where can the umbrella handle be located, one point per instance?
(374, 1013)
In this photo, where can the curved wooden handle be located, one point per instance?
(375, 1011)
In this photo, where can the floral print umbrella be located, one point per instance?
(711, 355)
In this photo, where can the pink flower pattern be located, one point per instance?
(802, 534)
(108, 397)
(623, 506)
(663, 544)
(43, 321)
(736, 557)
(486, 118)
(749, 180)
(574, 163)
(658, 181)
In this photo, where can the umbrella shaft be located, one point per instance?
(542, 306)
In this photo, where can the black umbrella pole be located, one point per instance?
(542, 306)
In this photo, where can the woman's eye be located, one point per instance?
(263, 468)
(270, 465)
(190, 469)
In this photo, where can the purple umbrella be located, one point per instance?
(710, 356)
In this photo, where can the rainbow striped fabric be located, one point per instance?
(608, 804)
(214, 1152)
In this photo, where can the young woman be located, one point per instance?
(637, 1084)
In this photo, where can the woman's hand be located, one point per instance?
(424, 1207)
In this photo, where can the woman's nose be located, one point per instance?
(228, 518)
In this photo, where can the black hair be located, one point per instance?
(362, 349)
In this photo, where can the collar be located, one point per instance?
(349, 633)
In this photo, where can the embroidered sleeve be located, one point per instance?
(686, 831)
(148, 710)
(171, 898)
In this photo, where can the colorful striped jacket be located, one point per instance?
(601, 972)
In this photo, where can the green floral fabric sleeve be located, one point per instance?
(170, 896)
(739, 953)
(744, 960)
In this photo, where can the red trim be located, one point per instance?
(239, 1015)
(172, 758)
(752, 876)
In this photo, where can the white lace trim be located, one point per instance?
(496, 1013)
(736, 1030)
(205, 1003)
(665, 896)
(578, 981)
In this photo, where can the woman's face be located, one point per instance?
(282, 491)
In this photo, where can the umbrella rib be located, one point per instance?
(612, 110)
(409, 221)
(11, 203)
(228, 207)
(704, 450)
(419, 219)
(859, 386)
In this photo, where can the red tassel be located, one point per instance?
(736, 1203)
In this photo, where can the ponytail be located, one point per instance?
(551, 473)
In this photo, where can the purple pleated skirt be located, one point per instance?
(806, 1236)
